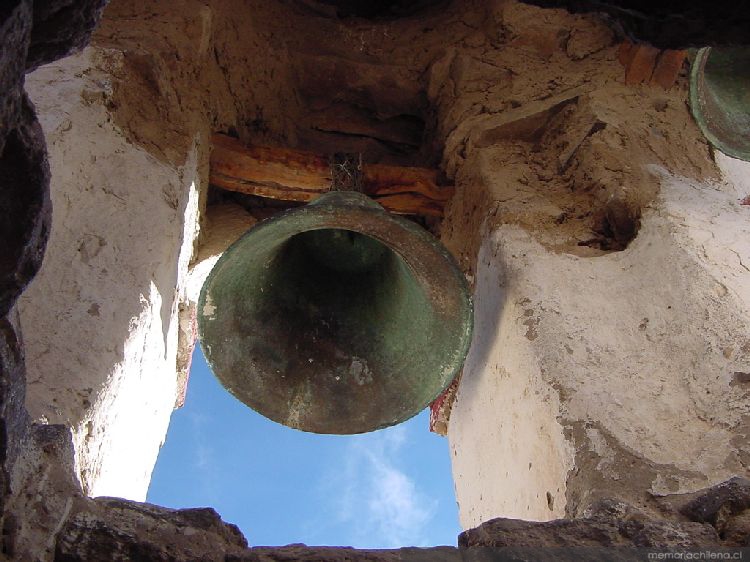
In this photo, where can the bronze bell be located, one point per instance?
(336, 317)
(720, 98)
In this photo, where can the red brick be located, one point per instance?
(641, 65)
(668, 68)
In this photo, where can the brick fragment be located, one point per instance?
(668, 68)
(642, 64)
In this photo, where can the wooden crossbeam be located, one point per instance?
(296, 175)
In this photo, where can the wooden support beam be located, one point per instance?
(295, 175)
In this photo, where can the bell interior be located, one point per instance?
(333, 331)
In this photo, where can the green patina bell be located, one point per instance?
(336, 317)
(720, 98)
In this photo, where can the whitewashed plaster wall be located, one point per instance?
(507, 446)
(101, 318)
(611, 373)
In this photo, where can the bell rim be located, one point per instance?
(702, 117)
(323, 213)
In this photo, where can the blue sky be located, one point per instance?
(385, 489)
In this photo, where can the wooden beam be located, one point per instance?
(296, 175)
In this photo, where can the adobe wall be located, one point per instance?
(101, 316)
(605, 241)
(609, 254)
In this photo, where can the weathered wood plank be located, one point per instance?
(296, 175)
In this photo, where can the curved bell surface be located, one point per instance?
(336, 317)
(720, 98)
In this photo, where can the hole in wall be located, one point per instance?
(615, 227)
(574, 174)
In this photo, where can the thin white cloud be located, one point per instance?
(204, 457)
(378, 501)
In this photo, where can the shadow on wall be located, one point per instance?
(25, 209)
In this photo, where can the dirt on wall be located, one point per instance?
(541, 116)
(525, 109)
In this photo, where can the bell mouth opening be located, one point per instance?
(720, 98)
(334, 321)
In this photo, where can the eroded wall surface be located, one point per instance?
(610, 255)
(101, 316)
